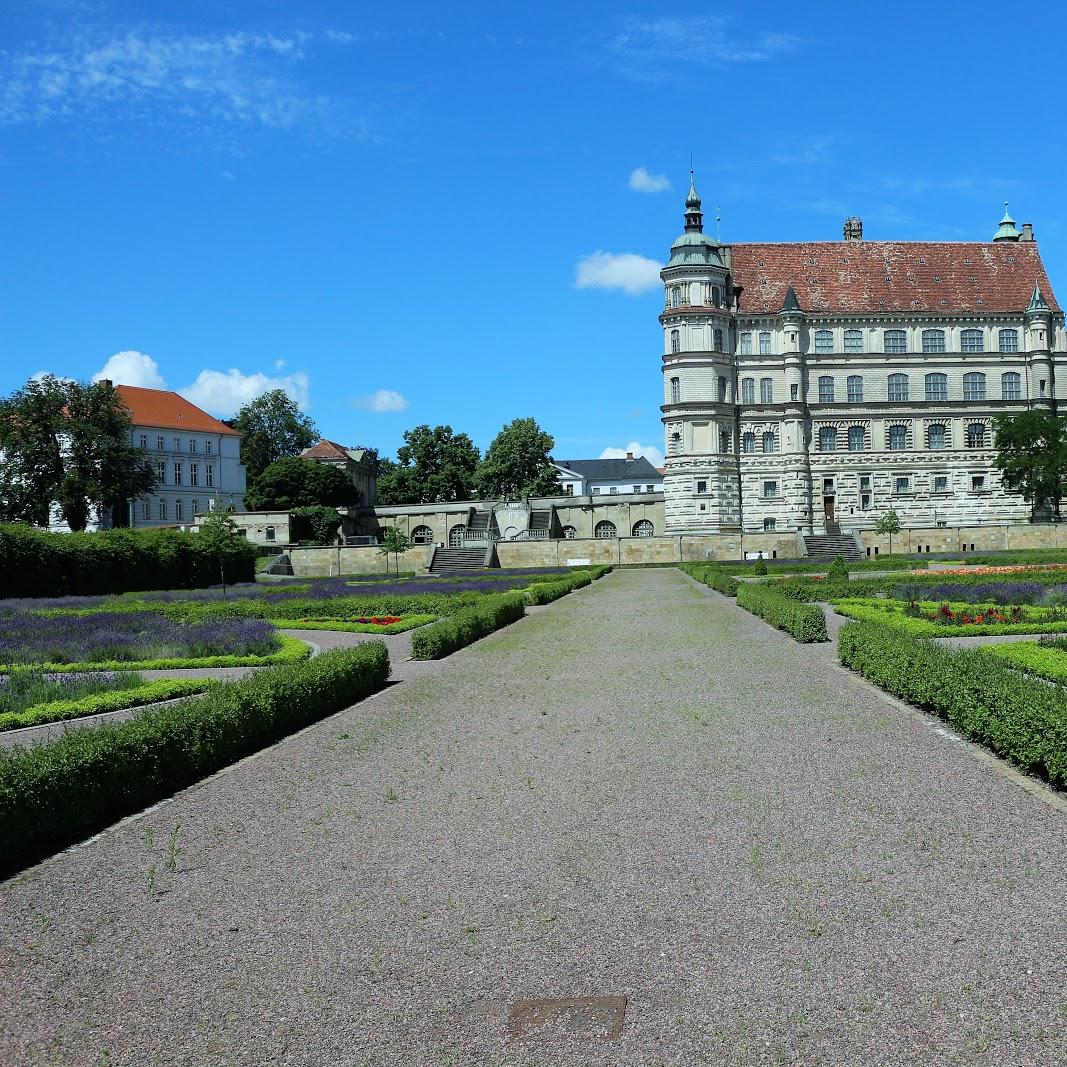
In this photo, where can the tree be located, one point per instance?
(220, 537)
(517, 463)
(67, 443)
(1032, 457)
(889, 523)
(396, 541)
(300, 483)
(317, 524)
(432, 465)
(272, 427)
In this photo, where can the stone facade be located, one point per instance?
(814, 386)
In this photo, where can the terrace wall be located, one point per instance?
(357, 559)
(961, 538)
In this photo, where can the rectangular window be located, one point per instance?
(702, 487)
(146, 509)
(896, 341)
(827, 485)
(596, 490)
(941, 483)
(853, 340)
(766, 391)
(270, 533)
(865, 502)
(855, 389)
(613, 490)
(209, 475)
(824, 342)
(770, 488)
(865, 481)
(748, 391)
(650, 488)
(764, 343)
(1009, 340)
(162, 509)
(177, 474)
(177, 444)
(794, 390)
(208, 446)
(902, 485)
(746, 344)
(637, 489)
(178, 509)
(161, 473)
(826, 390)
(144, 440)
(159, 444)
(977, 482)
(972, 341)
(194, 474)
(192, 446)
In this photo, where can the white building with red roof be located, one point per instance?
(197, 458)
(811, 387)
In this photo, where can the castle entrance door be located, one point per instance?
(828, 509)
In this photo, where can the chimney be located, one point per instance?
(630, 456)
(1028, 232)
(853, 229)
(106, 383)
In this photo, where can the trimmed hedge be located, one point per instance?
(467, 625)
(292, 651)
(546, 592)
(891, 613)
(59, 710)
(1020, 718)
(38, 563)
(804, 622)
(54, 794)
(1045, 661)
(341, 626)
(716, 579)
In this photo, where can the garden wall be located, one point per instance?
(961, 538)
(356, 559)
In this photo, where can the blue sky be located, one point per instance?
(429, 213)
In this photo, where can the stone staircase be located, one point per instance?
(451, 560)
(823, 547)
(479, 525)
(541, 523)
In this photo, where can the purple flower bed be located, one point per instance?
(24, 688)
(1007, 593)
(127, 637)
(15, 605)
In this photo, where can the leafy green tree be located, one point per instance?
(394, 541)
(272, 427)
(300, 483)
(517, 463)
(68, 443)
(889, 523)
(221, 537)
(432, 465)
(317, 524)
(1032, 457)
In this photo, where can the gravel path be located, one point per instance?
(642, 791)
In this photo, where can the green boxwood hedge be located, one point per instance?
(344, 626)
(492, 612)
(804, 622)
(546, 592)
(713, 577)
(54, 794)
(1022, 719)
(1045, 661)
(38, 563)
(98, 703)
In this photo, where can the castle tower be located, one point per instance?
(701, 481)
(1037, 323)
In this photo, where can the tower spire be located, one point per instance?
(1006, 231)
(694, 217)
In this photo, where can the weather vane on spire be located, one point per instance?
(718, 219)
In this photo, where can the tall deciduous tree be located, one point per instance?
(889, 523)
(67, 443)
(300, 483)
(272, 427)
(517, 463)
(432, 465)
(1032, 457)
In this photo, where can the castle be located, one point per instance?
(811, 387)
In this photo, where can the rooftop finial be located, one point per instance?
(694, 219)
(1006, 231)
(718, 219)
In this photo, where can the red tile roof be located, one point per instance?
(325, 450)
(863, 277)
(160, 407)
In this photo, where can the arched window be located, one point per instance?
(824, 341)
(604, 529)
(421, 535)
(898, 387)
(974, 385)
(676, 390)
(898, 438)
(827, 439)
(178, 505)
(895, 341)
(857, 438)
(748, 441)
(933, 340)
(769, 442)
(455, 535)
(748, 390)
(1009, 340)
(718, 340)
(972, 341)
(676, 296)
(937, 386)
(643, 528)
(853, 340)
(676, 341)
(769, 525)
(976, 435)
(826, 389)
(570, 533)
(766, 390)
(855, 389)
(936, 436)
(765, 343)
(1011, 386)
(746, 343)
(722, 389)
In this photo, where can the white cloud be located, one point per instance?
(132, 368)
(223, 392)
(653, 454)
(631, 273)
(643, 182)
(382, 400)
(279, 364)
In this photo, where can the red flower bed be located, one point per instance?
(380, 620)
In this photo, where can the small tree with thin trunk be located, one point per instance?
(396, 541)
(889, 523)
(220, 535)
